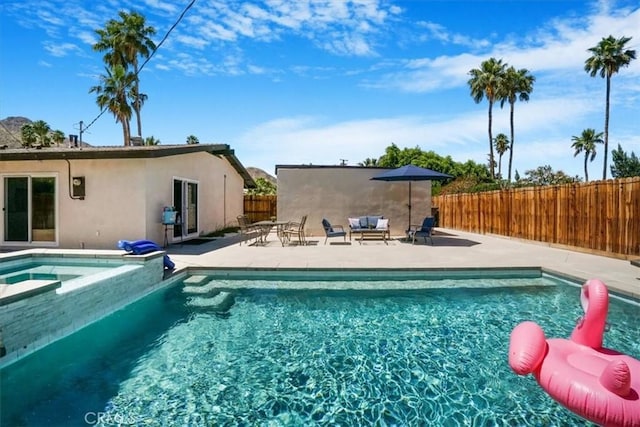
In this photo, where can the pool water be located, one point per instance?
(49, 271)
(288, 357)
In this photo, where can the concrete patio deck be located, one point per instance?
(450, 249)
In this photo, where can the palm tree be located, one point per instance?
(58, 137)
(516, 84)
(587, 143)
(502, 146)
(608, 57)
(112, 95)
(192, 139)
(369, 162)
(151, 140)
(42, 129)
(124, 42)
(29, 137)
(485, 82)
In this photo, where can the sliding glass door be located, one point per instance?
(185, 200)
(29, 209)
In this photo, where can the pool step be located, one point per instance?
(221, 302)
(207, 288)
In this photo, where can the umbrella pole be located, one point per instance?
(409, 226)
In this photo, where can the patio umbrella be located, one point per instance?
(411, 173)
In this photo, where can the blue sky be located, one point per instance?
(318, 81)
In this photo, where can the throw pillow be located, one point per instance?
(382, 224)
(354, 222)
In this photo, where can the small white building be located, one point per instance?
(93, 197)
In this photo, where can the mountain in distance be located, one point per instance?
(10, 131)
(259, 173)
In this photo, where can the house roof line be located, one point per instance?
(122, 152)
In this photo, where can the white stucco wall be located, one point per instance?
(340, 192)
(124, 197)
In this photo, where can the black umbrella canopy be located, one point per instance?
(411, 173)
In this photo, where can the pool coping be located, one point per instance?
(26, 289)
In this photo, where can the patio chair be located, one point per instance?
(296, 229)
(246, 229)
(332, 230)
(425, 230)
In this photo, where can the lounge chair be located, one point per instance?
(425, 230)
(296, 229)
(332, 230)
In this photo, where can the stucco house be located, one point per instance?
(340, 192)
(93, 197)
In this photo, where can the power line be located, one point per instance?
(186, 9)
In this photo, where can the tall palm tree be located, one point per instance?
(484, 82)
(42, 129)
(112, 95)
(192, 139)
(586, 143)
(608, 57)
(124, 42)
(516, 84)
(502, 146)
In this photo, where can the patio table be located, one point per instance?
(267, 225)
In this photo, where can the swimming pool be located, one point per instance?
(386, 355)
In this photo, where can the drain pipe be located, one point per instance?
(224, 201)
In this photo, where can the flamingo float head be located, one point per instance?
(594, 299)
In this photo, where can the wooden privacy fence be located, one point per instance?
(260, 207)
(599, 215)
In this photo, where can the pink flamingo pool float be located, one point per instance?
(597, 383)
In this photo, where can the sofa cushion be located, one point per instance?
(327, 225)
(372, 220)
(354, 222)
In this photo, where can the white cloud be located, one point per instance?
(50, 18)
(439, 32)
(540, 135)
(561, 46)
(61, 49)
(340, 27)
(87, 37)
(191, 41)
(212, 30)
(162, 6)
(349, 44)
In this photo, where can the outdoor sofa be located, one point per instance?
(370, 226)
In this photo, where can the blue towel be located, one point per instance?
(141, 247)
